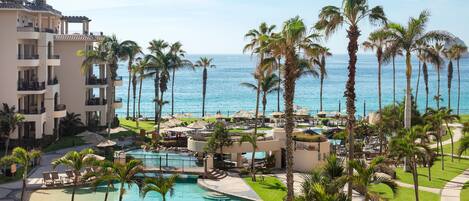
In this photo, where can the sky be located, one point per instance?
(218, 26)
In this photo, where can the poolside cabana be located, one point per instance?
(198, 125)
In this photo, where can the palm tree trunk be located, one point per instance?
(320, 92)
(135, 98)
(289, 94)
(75, 181)
(416, 180)
(459, 86)
(106, 195)
(253, 170)
(352, 33)
(121, 192)
(7, 145)
(157, 97)
(418, 83)
(429, 170)
(128, 91)
(408, 100)
(442, 154)
(380, 132)
(279, 84)
(256, 115)
(264, 104)
(394, 80)
(204, 89)
(172, 92)
(438, 89)
(139, 96)
(159, 116)
(110, 101)
(23, 188)
(451, 137)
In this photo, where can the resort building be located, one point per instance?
(41, 71)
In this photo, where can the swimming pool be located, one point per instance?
(257, 155)
(164, 159)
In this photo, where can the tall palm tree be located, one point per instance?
(405, 147)
(104, 174)
(71, 124)
(450, 56)
(9, 121)
(268, 84)
(142, 74)
(156, 48)
(390, 54)
(366, 174)
(377, 41)
(447, 118)
(408, 38)
(204, 63)
(133, 78)
(463, 145)
(125, 174)
(438, 52)
(160, 184)
(458, 51)
(178, 62)
(251, 139)
(130, 49)
(330, 19)
(318, 55)
(434, 118)
(23, 158)
(75, 161)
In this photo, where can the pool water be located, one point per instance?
(258, 155)
(165, 159)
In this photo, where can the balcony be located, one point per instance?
(31, 87)
(118, 81)
(34, 114)
(96, 101)
(33, 111)
(60, 111)
(53, 60)
(117, 103)
(28, 33)
(28, 60)
(96, 82)
(53, 81)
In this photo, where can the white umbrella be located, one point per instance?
(106, 143)
(198, 125)
(179, 129)
(96, 157)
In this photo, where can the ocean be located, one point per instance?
(225, 94)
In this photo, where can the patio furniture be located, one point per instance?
(46, 179)
(55, 177)
(69, 175)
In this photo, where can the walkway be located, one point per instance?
(452, 189)
(457, 135)
(230, 185)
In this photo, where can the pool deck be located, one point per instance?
(232, 185)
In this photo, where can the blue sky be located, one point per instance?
(218, 26)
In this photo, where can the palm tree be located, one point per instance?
(330, 19)
(438, 52)
(378, 41)
(268, 84)
(390, 54)
(104, 174)
(23, 158)
(458, 51)
(156, 48)
(142, 74)
(408, 38)
(75, 161)
(367, 174)
(434, 118)
(133, 78)
(318, 55)
(125, 174)
(219, 139)
(204, 63)
(463, 145)
(450, 56)
(405, 147)
(178, 62)
(130, 49)
(9, 120)
(447, 118)
(160, 185)
(251, 139)
(71, 123)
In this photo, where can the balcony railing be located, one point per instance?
(27, 29)
(31, 86)
(96, 81)
(53, 57)
(60, 107)
(97, 33)
(53, 81)
(49, 30)
(96, 101)
(28, 57)
(33, 111)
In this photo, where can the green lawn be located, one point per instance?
(464, 118)
(122, 134)
(270, 189)
(465, 192)
(439, 177)
(447, 149)
(64, 142)
(132, 125)
(404, 194)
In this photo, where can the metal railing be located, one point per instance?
(31, 86)
(28, 57)
(53, 56)
(96, 101)
(60, 107)
(165, 162)
(27, 29)
(97, 33)
(33, 111)
(96, 81)
(53, 81)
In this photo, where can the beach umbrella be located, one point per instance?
(96, 157)
(90, 137)
(178, 129)
(106, 143)
(198, 125)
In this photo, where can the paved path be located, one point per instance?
(230, 185)
(457, 135)
(452, 189)
(421, 188)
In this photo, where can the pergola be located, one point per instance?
(75, 19)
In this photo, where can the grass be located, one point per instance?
(464, 118)
(64, 142)
(132, 125)
(439, 177)
(122, 134)
(403, 194)
(465, 191)
(270, 189)
(447, 149)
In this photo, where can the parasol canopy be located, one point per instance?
(106, 143)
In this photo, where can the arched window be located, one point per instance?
(49, 50)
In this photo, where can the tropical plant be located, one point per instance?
(125, 174)
(133, 78)
(251, 139)
(450, 56)
(204, 63)
(71, 124)
(330, 19)
(318, 55)
(130, 50)
(160, 184)
(377, 41)
(23, 158)
(178, 62)
(9, 120)
(463, 145)
(219, 139)
(389, 55)
(75, 161)
(103, 174)
(408, 38)
(142, 74)
(434, 118)
(438, 52)
(458, 51)
(405, 147)
(156, 48)
(447, 118)
(365, 175)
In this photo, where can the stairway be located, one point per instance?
(216, 197)
(217, 174)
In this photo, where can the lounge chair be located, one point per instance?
(55, 177)
(46, 179)
(69, 176)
